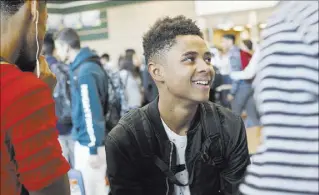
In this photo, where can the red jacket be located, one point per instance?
(245, 58)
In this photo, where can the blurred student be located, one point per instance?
(88, 89)
(106, 62)
(246, 52)
(62, 98)
(131, 80)
(241, 92)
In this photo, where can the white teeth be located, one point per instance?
(202, 82)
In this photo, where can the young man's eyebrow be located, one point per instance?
(190, 53)
(207, 53)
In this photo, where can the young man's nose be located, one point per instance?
(202, 66)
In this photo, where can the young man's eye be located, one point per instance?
(189, 59)
(208, 60)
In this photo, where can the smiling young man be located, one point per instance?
(179, 144)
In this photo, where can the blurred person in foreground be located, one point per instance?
(180, 143)
(31, 157)
(62, 98)
(89, 97)
(240, 95)
(287, 94)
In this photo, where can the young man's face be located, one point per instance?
(62, 50)
(104, 61)
(188, 72)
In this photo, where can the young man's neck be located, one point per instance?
(11, 37)
(10, 47)
(177, 114)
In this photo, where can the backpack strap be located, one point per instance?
(170, 172)
(146, 144)
(213, 129)
(212, 114)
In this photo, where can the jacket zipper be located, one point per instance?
(170, 165)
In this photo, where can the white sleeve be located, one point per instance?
(250, 71)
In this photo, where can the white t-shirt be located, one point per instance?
(180, 143)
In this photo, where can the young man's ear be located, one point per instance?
(156, 71)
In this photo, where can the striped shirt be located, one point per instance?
(27, 131)
(286, 92)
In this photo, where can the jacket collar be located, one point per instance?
(155, 118)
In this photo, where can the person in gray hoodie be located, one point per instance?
(89, 93)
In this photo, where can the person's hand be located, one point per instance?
(45, 73)
(95, 161)
(230, 97)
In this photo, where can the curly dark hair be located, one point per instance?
(10, 7)
(163, 33)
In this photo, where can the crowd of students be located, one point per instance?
(148, 125)
(235, 93)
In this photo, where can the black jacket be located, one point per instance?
(131, 173)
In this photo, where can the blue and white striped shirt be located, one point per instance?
(286, 92)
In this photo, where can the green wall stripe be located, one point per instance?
(91, 37)
(103, 25)
(103, 14)
(88, 7)
(61, 1)
(101, 6)
(55, 11)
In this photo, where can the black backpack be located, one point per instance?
(112, 99)
(62, 93)
(212, 130)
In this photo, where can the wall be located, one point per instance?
(218, 7)
(128, 23)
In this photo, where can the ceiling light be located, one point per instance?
(262, 25)
(238, 28)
